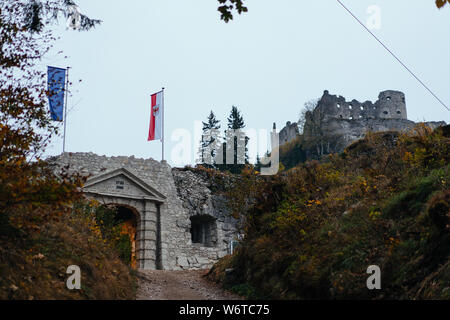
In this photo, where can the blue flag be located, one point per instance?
(56, 88)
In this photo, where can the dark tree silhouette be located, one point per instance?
(36, 14)
(210, 142)
(234, 133)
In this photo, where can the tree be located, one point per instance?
(309, 106)
(210, 143)
(258, 163)
(38, 13)
(30, 193)
(441, 3)
(238, 148)
(228, 6)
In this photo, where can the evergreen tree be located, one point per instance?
(258, 163)
(235, 120)
(234, 133)
(210, 142)
(36, 14)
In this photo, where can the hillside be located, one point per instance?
(33, 264)
(311, 232)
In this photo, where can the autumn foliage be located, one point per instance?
(42, 227)
(311, 232)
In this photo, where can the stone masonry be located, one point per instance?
(181, 224)
(348, 121)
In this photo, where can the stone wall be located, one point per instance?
(187, 195)
(198, 200)
(288, 133)
(390, 105)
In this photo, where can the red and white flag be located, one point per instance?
(156, 117)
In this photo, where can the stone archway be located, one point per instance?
(121, 189)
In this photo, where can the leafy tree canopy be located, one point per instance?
(441, 3)
(228, 6)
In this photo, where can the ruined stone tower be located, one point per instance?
(391, 105)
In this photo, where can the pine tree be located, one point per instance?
(235, 120)
(210, 142)
(40, 13)
(258, 163)
(234, 133)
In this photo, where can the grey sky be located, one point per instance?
(267, 62)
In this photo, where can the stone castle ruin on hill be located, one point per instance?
(336, 123)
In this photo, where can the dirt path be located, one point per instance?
(179, 285)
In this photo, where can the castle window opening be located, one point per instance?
(399, 112)
(204, 230)
(388, 98)
(350, 107)
(362, 108)
(339, 106)
(385, 112)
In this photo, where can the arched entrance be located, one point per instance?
(127, 218)
(137, 207)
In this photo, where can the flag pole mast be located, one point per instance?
(162, 136)
(65, 108)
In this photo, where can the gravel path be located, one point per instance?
(179, 285)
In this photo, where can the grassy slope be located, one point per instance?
(313, 231)
(34, 266)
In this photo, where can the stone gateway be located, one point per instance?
(176, 221)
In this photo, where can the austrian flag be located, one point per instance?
(156, 117)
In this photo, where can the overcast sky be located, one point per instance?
(267, 62)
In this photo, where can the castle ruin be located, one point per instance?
(341, 122)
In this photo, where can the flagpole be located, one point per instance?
(162, 129)
(65, 108)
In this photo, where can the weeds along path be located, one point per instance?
(179, 285)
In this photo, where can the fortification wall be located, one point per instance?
(187, 195)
